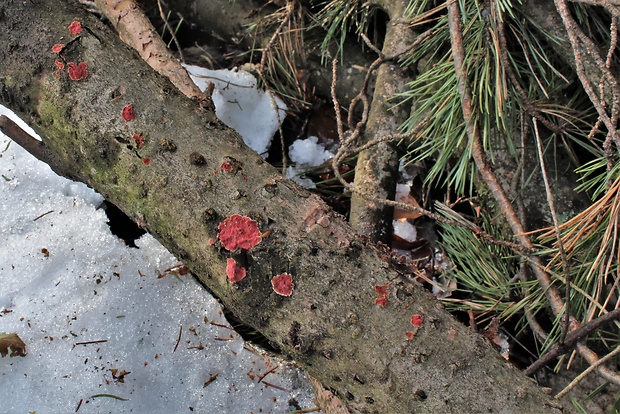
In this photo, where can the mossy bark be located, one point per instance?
(330, 324)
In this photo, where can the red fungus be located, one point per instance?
(383, 290)
(238, 232)
(226, 167)
(57, 48)
(127, 113)
(283, 284)
(77, 72)
(409, 334)
(75, 27)
(139, 140)
(416, 320)
(59, 64)
(382, 301)
(146, 161)
(234, 272)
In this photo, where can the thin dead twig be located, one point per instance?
(591, 368)
(267, 51)
(558, 234)
(174, 36)
(578, 39)
(571, 339)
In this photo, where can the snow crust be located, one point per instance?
(65, 280)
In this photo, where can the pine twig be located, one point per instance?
(591, 368)
(558, 234)
(492, 183)
(571, 339)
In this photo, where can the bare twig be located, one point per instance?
(21, 137)
(579, 41)
(571, 339)
(587, 371)
(178, 339)
(558, 234)
(170, 30)
(267, 50)
(136, 30)
(98, 341)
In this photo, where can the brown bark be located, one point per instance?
(176, 188)
(377, 167)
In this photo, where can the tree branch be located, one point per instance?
(554, 298)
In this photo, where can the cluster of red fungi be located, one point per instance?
(240, 232)
(76, 71)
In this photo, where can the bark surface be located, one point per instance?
(179, 186)
(376, 171)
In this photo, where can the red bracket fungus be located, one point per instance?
(283, 284)
(226, 167)
(238, 232)
(384, 292)
(234, 272)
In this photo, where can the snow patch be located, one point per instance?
(241, 105)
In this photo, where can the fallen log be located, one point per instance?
(180, 174)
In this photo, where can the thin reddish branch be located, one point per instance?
(580, 42)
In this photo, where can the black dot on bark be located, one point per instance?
(420, 395)
(370, 400)
(196, 158)
(350, 396)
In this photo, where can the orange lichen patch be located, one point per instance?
(283, 284)
(234, 272)
(238, 232)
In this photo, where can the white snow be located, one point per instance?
(241, 106)
(65, 280)
(306, 153)
(405, 230)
